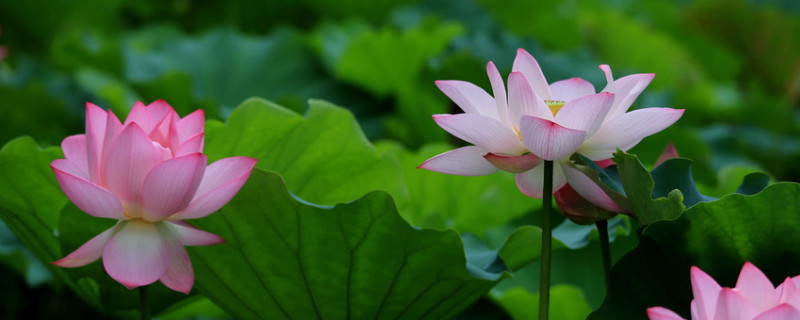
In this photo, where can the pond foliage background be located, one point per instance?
(334, 98)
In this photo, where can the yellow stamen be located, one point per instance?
(555, 105)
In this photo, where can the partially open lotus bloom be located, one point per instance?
(579, 210)
(534, 120)
(753, 298)
(583, 211)
(150, 174)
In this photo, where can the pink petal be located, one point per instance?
(660, 313)
(89, 252)
(141, 116)
(221, 182)
(469, 97)
(192, 145)
(523, 101)
(625, 130)
(89, 197)
(526, 64)
(780, 312)
(171, 185)
(481, 131)
(531, 182)
(464, 161)
(705, 291)
(796, 281)
(187, 127)
(129, 160)
(113, 129)
(179, 275)
(588, 189)
(605, 163)
(160, 109)
(669, 153)
(137, 254)
(160, 132)
(188, 235)
(732, 306)
(74, 148)
(571, 89)
(95, 133)
(585, 113)
(549, 140)
(609, 78)
(499, 92)
(754, 286)
(69, 167)
(627, 89)
(788, 293)
(513, 164)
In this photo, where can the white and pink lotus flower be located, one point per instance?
(534, 120)
(150, 174)
(753, 298)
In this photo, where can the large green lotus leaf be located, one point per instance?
(665, 192)
(466, 204)
(323, 156)
(718, 237)
(566, 303)
(286, 258)
(30, 201)
(638, 186)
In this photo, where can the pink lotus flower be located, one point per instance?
(753, 298)
(540, 121)
(150, 174)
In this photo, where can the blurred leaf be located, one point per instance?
(466, 204)
(118, 95)
(228, 67)
(763, 34)
(566, 303)
(387, 61)
(14, 255)
(33, 111)
(323, 156)
(718, 237)
(551, 22)
(289, 259)
(576, 236)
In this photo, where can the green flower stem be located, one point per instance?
(547, 239)
(602, 228)
(145, 299)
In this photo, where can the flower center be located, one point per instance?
(555, 105)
